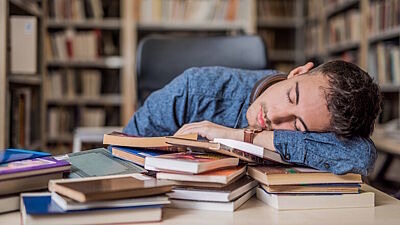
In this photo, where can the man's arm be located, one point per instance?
(323, 151)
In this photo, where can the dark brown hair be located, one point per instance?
(353, 99)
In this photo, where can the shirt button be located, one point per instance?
(326, 165)
(287, 156)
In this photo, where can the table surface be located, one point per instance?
(386, 211)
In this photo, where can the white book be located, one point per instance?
(69, 204)
(213, 206)
(310, 201)
(224, 194)
(9, 203)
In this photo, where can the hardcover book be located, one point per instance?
(40, 209)
(31, 167)
(134, 155)
(11, 155)
(190, 162)
(313, 189)
(159, 143)
(109, 188)
(281, 175)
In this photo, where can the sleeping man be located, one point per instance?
(319, 117)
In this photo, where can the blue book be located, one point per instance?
(39, 208)
(135, 155)
(11, 155)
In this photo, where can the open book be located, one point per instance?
(242, 150)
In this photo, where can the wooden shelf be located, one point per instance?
(280, 23)
(385, 143)
(390, 87)
(338, 8)
(344, 46)
(101, 63)
(29, 79)
(106, 24)
(29, 7)
(102, 100)
(190, 26)
(282, 55)
(388, 34)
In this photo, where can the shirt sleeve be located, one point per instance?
(326, 151)
(163, 112)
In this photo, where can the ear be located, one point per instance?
(300, 70)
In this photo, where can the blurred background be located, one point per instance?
(68, 71)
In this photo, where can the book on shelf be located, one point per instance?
(135, 155)
(68, 204)
(213, 206)
(40, 209)
(9, 203)
(91, 83)
(225, 194)
(239, 149)
(106, 164)
(189, 162)
(76, 10)
(61, 121)
(316, 201)
(276, 9)
(93, 117)
(285, 175)
(383, 16)
(384, 62)
(21, 111)
(31, 167)
(23, 43)
(312, 189)
(345, 27)
(12, 154)
(221, 176)
(158, 143)
(109, 188)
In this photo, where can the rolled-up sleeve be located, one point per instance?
(326, 151)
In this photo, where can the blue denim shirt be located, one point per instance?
(221, 95)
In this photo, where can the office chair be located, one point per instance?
(162, 58)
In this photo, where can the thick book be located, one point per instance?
(30, 183)
(281, 175)
(190, 162)
(106, 164)
(222, 176)
(307, 201)
(313, 189)
(126, 140)
(135, 155)
(225, 194)
(9, 203)
(109, 187)
(12, 154)
(40, 209)
(244, 151)
(213, 206)
(31, 167)
(68, 204)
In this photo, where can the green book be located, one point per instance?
(98, 162)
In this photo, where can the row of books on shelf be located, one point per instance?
(345, 27)
(61, 84)
(63, 120)
(155, 11)
(314, 39)
(384, 62)
(80, 45)
(272, 9)
(82, 9)
(383, 15)
(136, 177)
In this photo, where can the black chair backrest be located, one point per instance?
(162, 58)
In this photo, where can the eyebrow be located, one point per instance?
(297, 102)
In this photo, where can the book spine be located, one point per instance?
(246, 156)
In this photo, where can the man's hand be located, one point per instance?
(211, 130)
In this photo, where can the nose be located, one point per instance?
(281, 118)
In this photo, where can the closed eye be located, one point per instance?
(288, 96)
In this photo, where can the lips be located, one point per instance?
(260, 118)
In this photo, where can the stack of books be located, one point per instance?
(25, 170)
(211, 175)
(286, 188)
(128, 198)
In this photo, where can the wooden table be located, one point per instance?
(386, 211)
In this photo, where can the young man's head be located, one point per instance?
(336, 96)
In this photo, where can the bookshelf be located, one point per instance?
(21, 74)
(281, 25)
